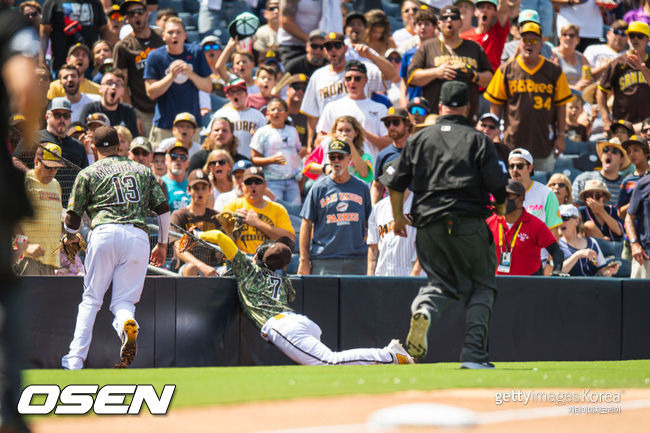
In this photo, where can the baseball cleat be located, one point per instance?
(469, 365)
(416, 341)
(129, 337)
(400, 354)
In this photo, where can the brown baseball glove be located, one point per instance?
(187, 241)
(232, 224)
(72, 249)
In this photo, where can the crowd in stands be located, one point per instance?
(290, 128)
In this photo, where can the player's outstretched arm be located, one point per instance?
(226, 244)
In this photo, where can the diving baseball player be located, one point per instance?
(116, 193)
(265, 297)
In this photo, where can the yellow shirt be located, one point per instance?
(44, 228)
(272, 213)
(86, 86)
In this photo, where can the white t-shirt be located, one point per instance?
(77, 106)
(325, 85)
(586, 16)
(599, 55)
(243, 122)
(270, 141)
(400, 36)
(396, 254)
(169, 142)
(366, 111)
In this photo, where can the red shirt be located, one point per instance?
(533, 236)
(492, 41)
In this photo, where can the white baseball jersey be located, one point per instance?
(366, 111)
(541, 202)
(325, 85)
(396, 254)
(245, 123)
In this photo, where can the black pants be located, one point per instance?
(460, 267)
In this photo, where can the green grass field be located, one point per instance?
(223, 385)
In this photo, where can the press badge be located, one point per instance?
(504, 263)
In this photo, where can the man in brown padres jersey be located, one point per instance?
(448, 57)
(530, 94)
(627, 76)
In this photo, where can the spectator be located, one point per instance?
(512, 48)
(572, 62)
(295, 94)
(140, 151)
(600, 55)
(359, 106)
(244, 119)
(277, 148)
(418, 109)
(582, 254)
(561, 186)
(539, 199)
(115, 23)
(334, 217)
(77, 130)
(519, 237)
(159, 164)
(213, 12)
(43, 230)
(173, 76)
(79, 56)
(638, 151)
(78, 22)
(394, 91)
(645, 128)
(426, 24)
(488, 124)
(177, 161)
(436, 61)
(493, 27)
(243, 63)
(101, 52)
(575, 130)
(313, 58)
(219, 166)
(220, 137)
(118, 113)
(354, 27)
(31, 10)
(297, 19)
(621, 129)
(266, 36)
(399, 127)
(212, 50)
(408, 11)
(238, 170)
(265, 81)
(263, 220)
(540, 109)
(125, 137)
(378, 33)
(627, 77)
(613, 158)
(586, 15)
(93, 121)
(69, 78)
(130, 55)
(637, 228)
(200, 260)
(466, 8)
(183, 131)
(600, 219)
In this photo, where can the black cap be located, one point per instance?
(338, 146)
(355, 14)
(454, 94)
(355, 65)
(106, 136)
(516, 188)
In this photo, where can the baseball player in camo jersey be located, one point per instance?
(116, 193)
(265, 297)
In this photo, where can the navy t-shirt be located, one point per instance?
(178, 98)
(339, 212)
(640, 208)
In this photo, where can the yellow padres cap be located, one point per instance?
(50, 152)
(178, 145)
(638, 27)
(530, 27)
(185, 117)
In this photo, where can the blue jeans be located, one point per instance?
(211, 20)
(286, 190)
(545, 10)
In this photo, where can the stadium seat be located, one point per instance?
(586, 162)
(217, 101)
(564, 161)
(191, 6)
(579, 147)
(569, 172)
(193, 36)
(540, 176)
(189, 19)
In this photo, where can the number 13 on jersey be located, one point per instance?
(126, 189)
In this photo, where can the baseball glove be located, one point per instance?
(232, 224)
(187, 241)
(72, 249)
(467, 74)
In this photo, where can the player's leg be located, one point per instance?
(100, 259)
(477, 326)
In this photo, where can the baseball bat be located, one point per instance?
(286, 78)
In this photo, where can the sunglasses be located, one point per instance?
(594, 195)
(356, 78)
(569, 35)
(116, 16)
(453, 17)
(298, 86)
(333, 46)
(336, 157)
(140, 152)
(218, 161)
(530, 41)
(31, 15)
(636, 35)
(175, 156)
(393, 122)
(132, 12)
(567, 218)
(613, 150)
(211, 47)
(405, 11)
(253, 181)
(618, 32)
(418, 111)
(488, 126)
(393, 59)
(60, 115)
(316, 46)
(558, 184)
(518, 165)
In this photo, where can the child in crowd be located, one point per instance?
(265, 81)
(574, 130)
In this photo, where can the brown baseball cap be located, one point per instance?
(516, 188)
(334, 37)
(77, 46)
(393, 112)
(106, 136)
(197, 176)
(254, 172)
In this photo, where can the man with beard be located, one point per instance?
(112, 89)
(449, 58)
(313, 59)
(177, 162)
(399, 127)
(69, 77)
(78, 56)
(130, 54)
(220, 137)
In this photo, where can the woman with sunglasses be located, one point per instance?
(561, 186)
(572, 62)
(582, 255)
(408, 10)
(219, 168)
(601, 220)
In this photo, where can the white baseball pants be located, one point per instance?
(117, 253)
(298, 337)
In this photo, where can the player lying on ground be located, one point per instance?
(265, 297)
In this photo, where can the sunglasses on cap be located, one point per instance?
(140, 152)
(517, 165)
(594, 195)
(316, 46)
(175, 156)
(393, 122)
(116, 16)
(333, 45)
(530, 41)
(298, 86)
(253, 181)
(356, 78)
(419, 111)
(453, 17)
(218, 161)
(636, 35)
(615, 151)
(58, 115)
(558, 184)
(211, 47)
(132, 12)
(336, 156)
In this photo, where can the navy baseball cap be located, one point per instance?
(242, 164)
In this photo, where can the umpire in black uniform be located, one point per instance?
(452, 169)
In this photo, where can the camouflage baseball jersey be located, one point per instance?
(262, 293)
(116, 190)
